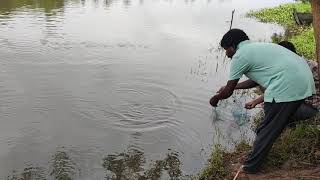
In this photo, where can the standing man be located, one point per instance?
(287, 79)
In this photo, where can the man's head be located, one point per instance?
(231, 39)
(288, 45)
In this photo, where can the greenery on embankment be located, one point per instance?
(301, 36)
(299, 145)
(296, 149)
(222, 164)
(281, 15)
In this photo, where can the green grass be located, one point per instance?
(301, 36)
(220, 162)
(281, 15)
(216, 168)
(299, 144)
(305, 43)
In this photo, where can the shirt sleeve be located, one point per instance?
(239, 66)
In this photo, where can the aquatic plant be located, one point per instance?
(301, 36)
(281, 15)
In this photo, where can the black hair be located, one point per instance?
(288, 45)
(233, 37)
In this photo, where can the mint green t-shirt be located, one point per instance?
(285, 75)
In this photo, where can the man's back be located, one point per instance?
(284, 74)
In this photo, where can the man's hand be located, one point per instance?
(224, 93)
(250, 105)
(214, 101)
(253, 103)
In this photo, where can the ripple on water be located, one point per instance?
(143, 108)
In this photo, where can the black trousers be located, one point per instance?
(277, 116)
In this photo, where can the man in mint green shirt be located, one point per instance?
(286, 78)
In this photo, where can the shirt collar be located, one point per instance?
(242, 43)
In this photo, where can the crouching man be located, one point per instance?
(287, 80)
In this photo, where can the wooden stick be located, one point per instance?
(224, 59)
(231, 19)
(236, 176)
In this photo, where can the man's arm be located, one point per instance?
(225, 93)
(247, 84)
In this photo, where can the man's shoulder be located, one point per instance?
(252, 47)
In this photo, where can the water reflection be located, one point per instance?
(127, 3)
(51, 6)
(121, 166)
(29, 173)
(63, 168)
(48, 6)
(129, 165)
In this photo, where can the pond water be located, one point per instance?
(99, 89)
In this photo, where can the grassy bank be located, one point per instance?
(298, 148)
(301, 36)
(223, 164)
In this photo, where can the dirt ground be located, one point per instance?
(308, 173)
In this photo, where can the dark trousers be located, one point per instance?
(277, 116)
(305, 111)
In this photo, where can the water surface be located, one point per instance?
(95, 89)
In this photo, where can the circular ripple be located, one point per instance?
(143, 107)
